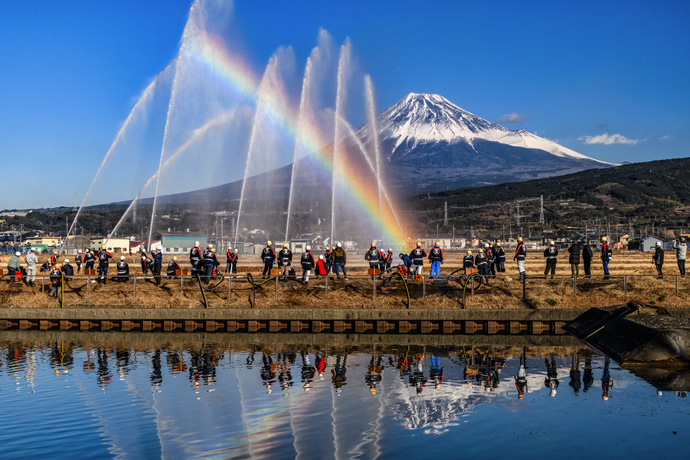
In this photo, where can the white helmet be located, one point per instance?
(308, 248)
(210, 246)
(235, 251)
(78, 252)
(658, 244)
(338, 244)
(196, 244)
(552, 392)
(34, 250)
(486, 245)
(122, 257)
(17, 253)
(66, 261)
(320, 257)
(551, 242)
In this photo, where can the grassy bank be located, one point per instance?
(504, 292)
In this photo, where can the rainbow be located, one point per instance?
(233, 72)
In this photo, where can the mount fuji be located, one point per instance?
(433, 145)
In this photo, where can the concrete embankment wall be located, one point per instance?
(334, 321)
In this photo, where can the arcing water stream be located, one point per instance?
(298, 132)
(343, 71)
(146, 95)
(375, 134)
(197, 135)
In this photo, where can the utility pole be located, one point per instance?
(518, 214)
(445, 214)
(74, 208)
(541, 212)
(453, 231)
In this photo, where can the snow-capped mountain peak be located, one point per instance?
(430, 118)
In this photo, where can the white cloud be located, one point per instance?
(513, 118)
(607, 139)
(666, 138)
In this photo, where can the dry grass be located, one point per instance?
(504, 292)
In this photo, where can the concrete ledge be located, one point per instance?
(217, 314)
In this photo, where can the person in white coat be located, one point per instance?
(31, 261)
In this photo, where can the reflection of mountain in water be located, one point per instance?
(438, 409)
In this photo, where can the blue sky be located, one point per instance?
(607, 79)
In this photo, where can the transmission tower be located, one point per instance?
(445, 214)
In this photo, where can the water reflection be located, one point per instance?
(273, 401)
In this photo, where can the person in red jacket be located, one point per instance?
(321, 269)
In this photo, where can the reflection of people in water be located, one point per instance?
(436, 372)
(521, 378)
(202, 366)
(61, 357)
(104, 375)
(483, 372)
(470, 368)
(551, 380)
(308, 372)
(175, 363)
(122, 363)
(267, 374)
(606, 380)
(284, 375)
(320, 366)
(374, 370)
(417, 379)
(156, 374)
(575, 374)
(492, 379)
(338, 373)
(588, 377)
(682, 394)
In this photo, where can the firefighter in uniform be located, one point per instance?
(482, 265)
(436, 259)
(195, 258)
(173, 266)
(520, 255)
(210, 261)
(551, 255)
(374, 257)
(89, 260)
(54, 258)
(122, 270)
(79, 260)
(234, 257)
(417, 255)
(103, 260)
(606, 256)
(490, 259)
(468, 261)
(308, 264)
(284, 260)
(268, 255)
(500, 258)
(389, 259)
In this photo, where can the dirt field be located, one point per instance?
(504, 292)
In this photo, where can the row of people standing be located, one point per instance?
(335, 259)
